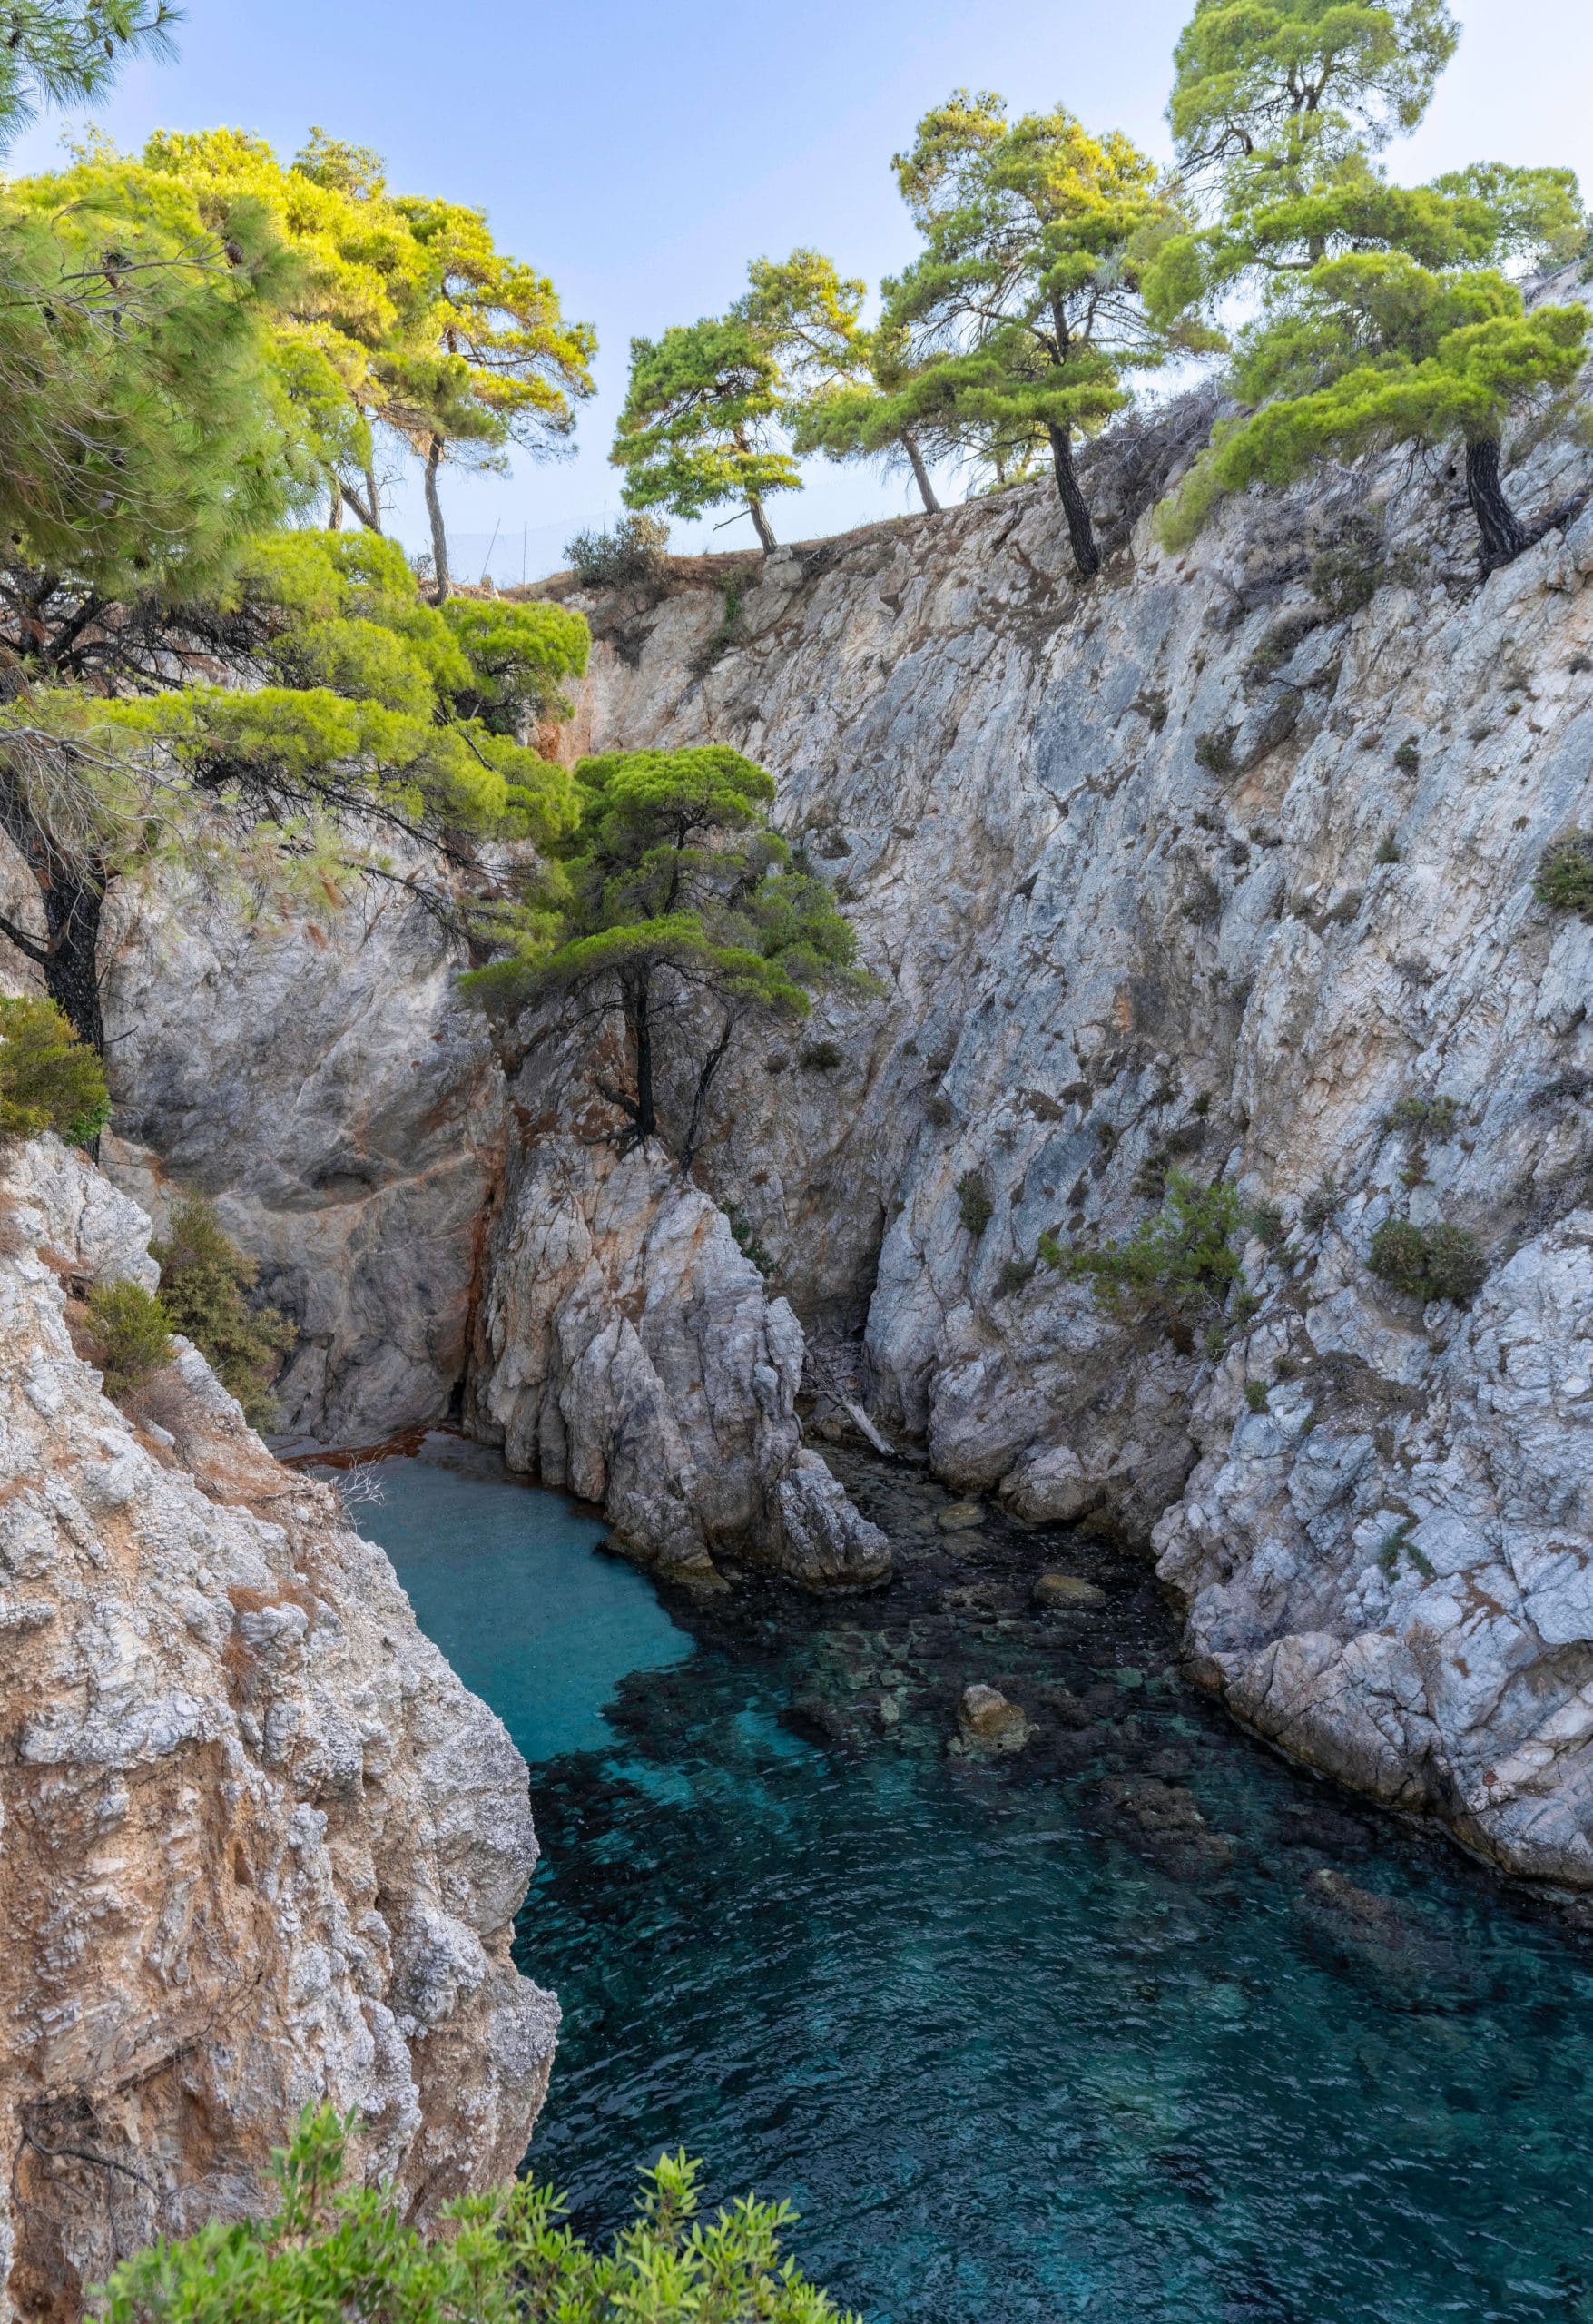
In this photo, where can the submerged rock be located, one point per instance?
(987, 1721)
(261, 1846)
(1059, 1591)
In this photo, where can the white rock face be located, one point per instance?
(630, 1354)
(1214, 864)
(261, 1845)
(326, 1085)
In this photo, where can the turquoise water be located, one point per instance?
(1137, 2024)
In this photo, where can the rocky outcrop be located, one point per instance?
(261, 1847)
(323, 1082)
(1389, 1571)
(1224, 862)
(630, 1353)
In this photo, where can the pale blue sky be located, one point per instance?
(642, 150)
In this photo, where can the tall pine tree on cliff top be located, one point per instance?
(701, 423)
(1387, 315)
(1039, 286)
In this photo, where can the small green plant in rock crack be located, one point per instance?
(1214, 751)
(1267, 1223)
(974, 1207)
(1320, 1204)
(1398, 1545)
(1014, 1276)
(1255, 1395)
(746, 1239)
(1388, 849)
(1564, 878)
(1408, 757)
(1427, 1117)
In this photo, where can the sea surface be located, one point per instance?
(1134, 2024)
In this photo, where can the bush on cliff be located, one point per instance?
(132, 1333)
(335, 2252)
(1177, 1267)
(205, 1282)
(49, 1079)
(1564, 878)
(1440, 1262)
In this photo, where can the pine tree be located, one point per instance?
(679, 909)
(1277, 83)
(1039, 287)
(407, 319)
(1385, 314)
(700, 426)
(849, 392)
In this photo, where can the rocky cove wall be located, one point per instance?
(261, 1846)
(1207, 862)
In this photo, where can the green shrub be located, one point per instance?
(1266, 1222)
(1345, 576)
(821, 1057)
(746, 1237)
(974, 1207)
(351, 2255)
(1320, 1204)
(1388, 849)
(134, 1332)
(49, 1079)
(1428, 1117)
(1408, 757)
(1015, 1273)
(1564, 878)
(205, 1280)
(1255, 1395)
(1214, 753)
(625, 556)
(1427, 1263)
(1178, 1263)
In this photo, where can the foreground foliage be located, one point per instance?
(49, 1079)
(334, 2252)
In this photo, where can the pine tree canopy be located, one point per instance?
(64, 52)
(1284, 77)
(406, 318)
(142, 419)
(1378, 350)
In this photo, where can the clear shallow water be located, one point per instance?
(1136, 2025)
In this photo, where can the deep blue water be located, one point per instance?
(1137, 2023)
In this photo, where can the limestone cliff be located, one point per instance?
(261, 1846)
(1224, 861)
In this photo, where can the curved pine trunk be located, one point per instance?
(761, 525)
(1503, 536)
(910, 445)
(1081, 531)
